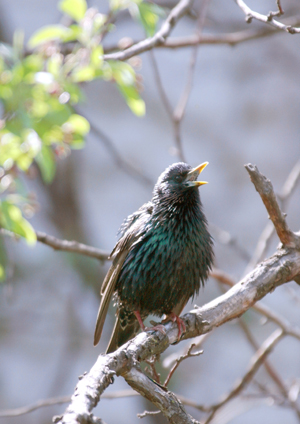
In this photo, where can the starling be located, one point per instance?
(163, 256)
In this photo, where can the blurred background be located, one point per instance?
(244, 107)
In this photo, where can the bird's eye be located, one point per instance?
(178, 178)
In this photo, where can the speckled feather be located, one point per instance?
(162, 258)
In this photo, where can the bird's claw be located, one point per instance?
(157, 327)
(180, 323)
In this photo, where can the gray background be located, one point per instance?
(244, 107)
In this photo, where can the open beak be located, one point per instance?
(193, 175)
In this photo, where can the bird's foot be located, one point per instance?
(180, 323)
(156, 327)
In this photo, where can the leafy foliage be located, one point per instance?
(11, 218)
(39, 89)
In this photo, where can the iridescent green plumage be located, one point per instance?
(163, 255)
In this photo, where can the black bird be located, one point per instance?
(163, 256)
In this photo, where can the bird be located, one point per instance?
(163, 256)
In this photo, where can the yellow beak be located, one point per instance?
(194, 173)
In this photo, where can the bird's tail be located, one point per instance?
(124, 330)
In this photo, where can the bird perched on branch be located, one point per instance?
(163, 256)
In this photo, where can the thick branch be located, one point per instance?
(261, 308)
(165, 400)
(266, 235)
(278, 269)
(160, 37)
(265, 189)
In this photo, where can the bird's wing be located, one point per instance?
(131, 231)
(107, 292)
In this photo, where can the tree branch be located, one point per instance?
(165, 400)
(117, 157)
(267, 19)
(280, 268)
(65, 245)
(176, 13)
(257, 359)
(72, 246)
(188, 354)
(16, 412)
(260, 307)
(230, 38)
(265, 189)
(266, 235)
(177, 115)
(275, 271)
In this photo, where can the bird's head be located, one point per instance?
(178, 178)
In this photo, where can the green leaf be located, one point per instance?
(125, 77)
(11, 218)
(46, 162)
(83, 74)
(122, 73)
(97, 56)
(137, 106)
(77, 124)
(54, 64)
(49, 33)
(77, 142)
(74, 8)
(115, 4)
(133, 99)
(149, 15)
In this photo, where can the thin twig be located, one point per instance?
(117, 157)
(72, 246)
(267, 19)
(30, 408)
(65, 245)
(188, 354)
(270, 370)
(225, 238)
(281, 11)
(146, 413)
(177, 115)
(182, 103)
(59, 400)
(172, 358)
(289, 329)
(151, 368)
(256, 361)
(160, 86)
(290, 184)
